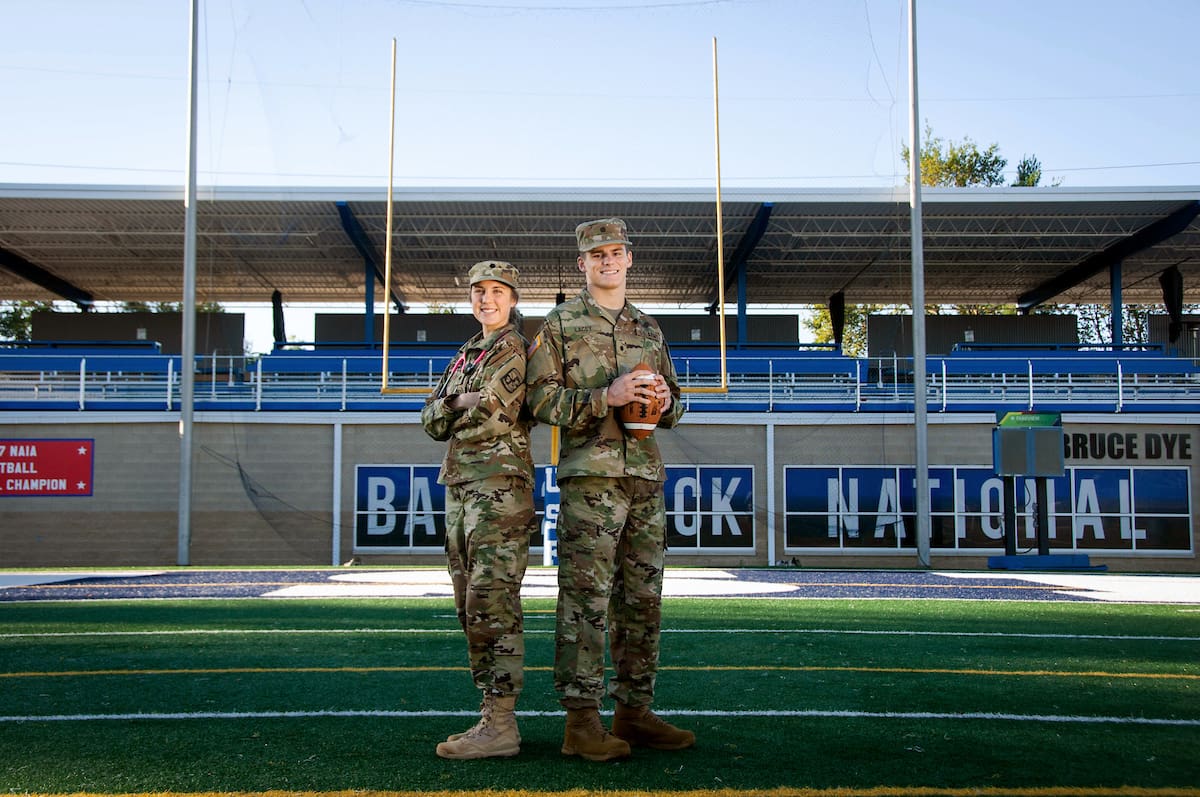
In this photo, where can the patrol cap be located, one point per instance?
(496, 270)
(601, 232)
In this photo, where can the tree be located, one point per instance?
(980, 309)
(169, 307)
(854, 339)
(960, 165)
(1094, 322)
(16, 319)
(1029, 171)
(943, 163)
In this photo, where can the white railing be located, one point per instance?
(778, 384)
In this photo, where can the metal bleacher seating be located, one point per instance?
(1081, 377)
(769, 378)
(127, 375)
(86, 375)
(347, 375)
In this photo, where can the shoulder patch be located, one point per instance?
(537, 342)
(512, 380)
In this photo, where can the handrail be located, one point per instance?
(1029, 366)
(804, 382)
(1120, 388)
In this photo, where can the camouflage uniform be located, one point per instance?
(488, 473)
(612, 523)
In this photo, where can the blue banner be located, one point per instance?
(402, 509)
(1091, 508)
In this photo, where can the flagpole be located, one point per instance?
(920, 410)
(188, 349)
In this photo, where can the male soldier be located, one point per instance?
(611, 531)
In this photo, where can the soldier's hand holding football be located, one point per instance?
(638, 386)
(663, 391)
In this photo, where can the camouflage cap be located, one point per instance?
(601, 232)
(496, 270)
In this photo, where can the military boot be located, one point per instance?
(494, 736)
(640, 726)
(586, 736)
(485, 711)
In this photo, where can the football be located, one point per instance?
(640, 420)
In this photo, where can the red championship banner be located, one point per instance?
(45, 467)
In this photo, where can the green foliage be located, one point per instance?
(946, 163)
(16, 319)
(1095, 323)
(854, 342)
(1029, 171)
(980, 309)
(962, 164)
(169, 307)
(854, 333)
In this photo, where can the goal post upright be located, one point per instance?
(724, 386)
(384, 388)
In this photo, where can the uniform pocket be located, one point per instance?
(593, 364)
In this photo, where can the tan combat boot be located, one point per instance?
(586, 736)
(485, 711)
(494, 736)
(638, 725)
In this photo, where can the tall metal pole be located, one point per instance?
(387, 244)
(188, 353)
(720, 219)
(920, 417)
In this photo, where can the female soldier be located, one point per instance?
(488, 473)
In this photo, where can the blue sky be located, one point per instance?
(813, 93)
(580, 92)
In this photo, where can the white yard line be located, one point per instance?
(351, 713)
(455, 631)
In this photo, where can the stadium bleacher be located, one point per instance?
(121, 375)
(87, 375)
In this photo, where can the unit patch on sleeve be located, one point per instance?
(512, 380)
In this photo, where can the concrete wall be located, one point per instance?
(264, 484)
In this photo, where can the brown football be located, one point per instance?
(640, 420)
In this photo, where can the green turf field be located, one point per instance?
(808, 696)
